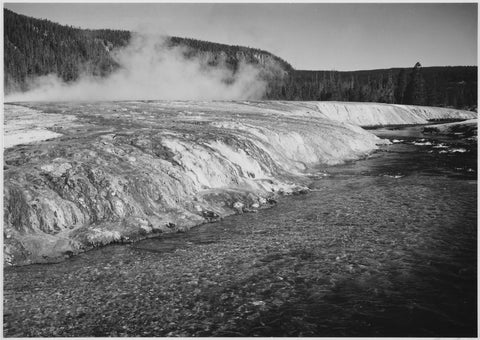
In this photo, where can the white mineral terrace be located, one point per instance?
(24, 125)
(125, 169)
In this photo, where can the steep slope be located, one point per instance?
(35, 47)
(120, 171)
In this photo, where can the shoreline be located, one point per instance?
(129, 239)
(162, 167)
(359, 246)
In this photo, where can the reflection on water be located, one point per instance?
(384, 246)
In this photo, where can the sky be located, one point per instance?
(310, 36)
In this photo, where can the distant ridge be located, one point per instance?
(35, 47)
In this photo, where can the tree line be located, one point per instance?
(433, 86)
(35, 47)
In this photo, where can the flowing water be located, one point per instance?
(385, 246)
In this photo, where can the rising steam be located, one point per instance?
(151, 70)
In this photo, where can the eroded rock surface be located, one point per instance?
(467, 128)
(121, 171)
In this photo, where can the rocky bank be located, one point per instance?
(89, 174)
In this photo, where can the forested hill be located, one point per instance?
(34, 47)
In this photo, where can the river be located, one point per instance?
(384, 246)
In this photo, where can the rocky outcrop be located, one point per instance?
(121, 171)
(467, 128)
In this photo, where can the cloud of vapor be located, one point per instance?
(151, 70)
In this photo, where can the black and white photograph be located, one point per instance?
(222, 169)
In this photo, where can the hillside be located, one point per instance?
(35, 47)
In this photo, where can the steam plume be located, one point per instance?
(150, 69)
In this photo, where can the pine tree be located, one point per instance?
(415, 92)
(401, 87)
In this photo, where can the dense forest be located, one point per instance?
(433, 86)
(34, 47)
